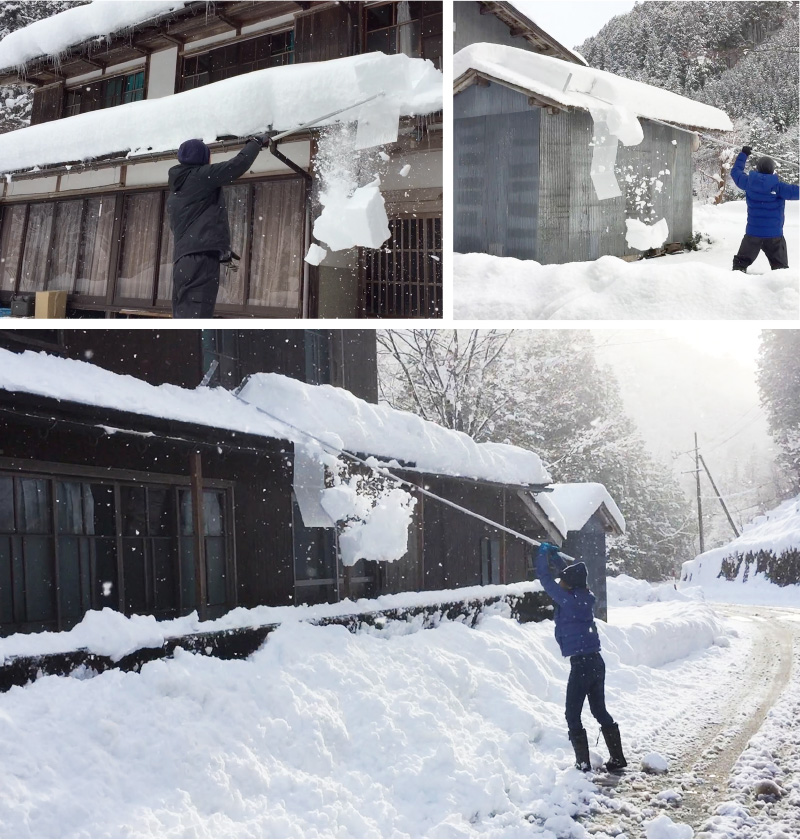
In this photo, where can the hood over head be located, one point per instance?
(194, 153)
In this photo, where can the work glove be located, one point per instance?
(747, 150)
(261, 139)
(549, 548)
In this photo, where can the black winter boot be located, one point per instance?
(580, 743)
(616, 759)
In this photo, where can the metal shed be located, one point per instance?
(523, 166)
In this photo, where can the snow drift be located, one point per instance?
(766, 554)
(451, 732)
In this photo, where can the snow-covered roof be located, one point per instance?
(281, 97)
(574, 86)
(577, 503)
(56, 34)
(331, 414)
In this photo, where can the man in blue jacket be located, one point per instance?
(576, 634)
(766, 196)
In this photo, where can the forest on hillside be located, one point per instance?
(741, 57)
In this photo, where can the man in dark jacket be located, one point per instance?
(199, 221)
(766, 196)
(576, 634)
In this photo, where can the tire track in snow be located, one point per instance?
(707, 752)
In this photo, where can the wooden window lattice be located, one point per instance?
(403, 278)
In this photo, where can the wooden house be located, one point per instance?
(122, 485)
(538, 173)
(96, 226)
(588, 515)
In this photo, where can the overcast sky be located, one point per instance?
(569, 22)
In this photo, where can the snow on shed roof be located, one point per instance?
(283, 97)
(584, 87)
(577, 503)
(56, 34)
(331, 414)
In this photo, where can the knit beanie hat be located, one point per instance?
(766, 165)
(194, 153)
(575, 576)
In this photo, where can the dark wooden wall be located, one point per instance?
(589, 546)
(156, 356)
(496, 178)
(47, 103)
(321, 35)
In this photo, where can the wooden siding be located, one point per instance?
(474, 27)
(496, 178)
(325, 34)
(47, 103)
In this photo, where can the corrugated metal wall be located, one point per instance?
(574, 225)
(523, 188)
(496, 178)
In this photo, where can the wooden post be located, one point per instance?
(198, 525)
(699, 500)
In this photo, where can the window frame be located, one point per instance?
(75, 98)
(377, 260)
(236, 45)
(110, 301)
(53, 473)
(419, 51)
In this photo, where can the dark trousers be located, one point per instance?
(774, 247)
(195, 283)
(587, 678)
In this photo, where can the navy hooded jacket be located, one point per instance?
(576, 632)
(766, 196)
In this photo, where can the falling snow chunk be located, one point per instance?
(378, 123)
(405, 170)
(384, 157)
(642, 237)
(315, 254)
(358, 220)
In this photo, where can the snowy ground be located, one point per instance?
(452, 732)
(694, 285)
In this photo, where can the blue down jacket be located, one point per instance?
(576, 632)
(766, 197)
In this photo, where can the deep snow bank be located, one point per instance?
(694, 285)
(450, 732)
(767, 545)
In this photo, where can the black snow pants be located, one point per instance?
(774, 247)
(587, 678)
(195, 283)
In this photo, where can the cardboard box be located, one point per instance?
(51, 305)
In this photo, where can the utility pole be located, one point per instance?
(719, 496)
(699, 500)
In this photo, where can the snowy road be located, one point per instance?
(752, 699)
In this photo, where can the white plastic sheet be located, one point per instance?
(604, 157)
(308, 484)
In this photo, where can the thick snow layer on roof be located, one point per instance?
(331, 414)
(584, 87)
(777, 531)
(577, 503)
(281, 97)
(56, 34)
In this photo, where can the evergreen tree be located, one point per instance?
(779, 387)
